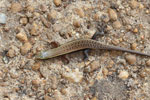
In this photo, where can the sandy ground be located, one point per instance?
(36, 25)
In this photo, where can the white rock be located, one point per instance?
(3, 18)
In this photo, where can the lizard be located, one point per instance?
(79, 44)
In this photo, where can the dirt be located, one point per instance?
(36, 25)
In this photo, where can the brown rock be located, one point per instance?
(24, 21)
(133, 46)
(123, 75)
(16, 7)
(105, 71)
(48, 98)
(57, 2)
(135, 30)
(148, 62)
(52, 15)
(22, 36)
(25, 48)
(63, 91)
(36, 66)
(76, 23)
(80, 12)
(134, 4)
(94, 66)
(30, 8)
(35, 82)
(117, 24)
(11, 53)
(112, 14)
(131, 59)
(34, 29)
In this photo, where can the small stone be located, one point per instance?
(131, 59)
(25, 48)
(57, 2)
(133, 4)
(94, 98)
(94, 66)
(133, 46)
(16, 7)
(35, 82)
(80, 12)
(96, 17)
(115, 42)
(135, 30)
(52, 15)
(123, 75)
(76, 23)
(54, 82)
(48, 98)
(11, 53)
(30, 9)
(73, 76)
(22, 36)
(141, 6)
(24, 21)
(36, 66)
(147, 11)
(112, 14)
(105, 71)
(3, 18)
(110, 64)
(63, 91)
(43, 8)
(117, 24)
(34, 29)
(148, 62)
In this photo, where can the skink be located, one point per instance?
(80, 44)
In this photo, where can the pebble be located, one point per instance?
(76, 23)
(148, 62)
(45, 22)
(80, 12)
(11, 53)
(94, 66)
(52, 15)
(24, 21)
(117, 24)
(135, 30)
(133, 4)
(57, 2)
(36, 66)
(34, 30)
(3, 18)
(54, 82)
(131, 59)
(105, 72)
(25, 48)
(16, 7)
(112, 14)
(94, 98)
(63, 91)
(48, 98)
(35, 82)
(43, 8)
(133, 46)
(123, 75)
(73, 76)
(22, 36)
(30, 8)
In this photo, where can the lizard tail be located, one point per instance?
(109, 47)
